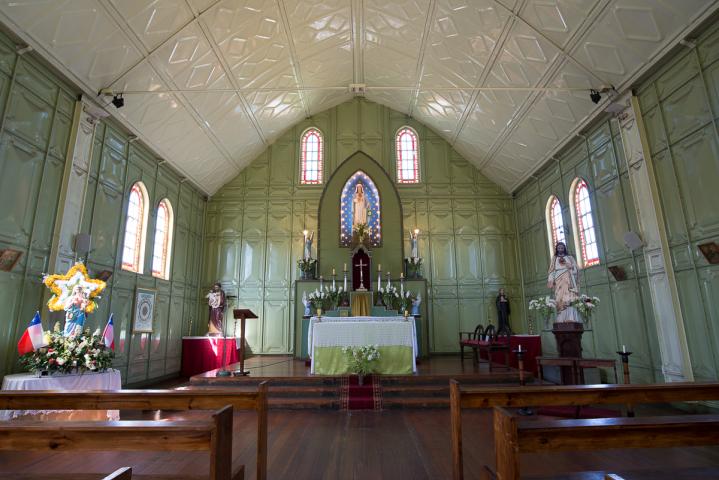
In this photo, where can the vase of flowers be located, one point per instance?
(390, 297)
(360, 360)
(407, 301)
(78, 353)
(308, 267)
(317, 300)
(544, 307)
(412, 267)
(585, 306)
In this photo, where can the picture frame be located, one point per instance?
(9, 258)
(144, 312)
(710, 251)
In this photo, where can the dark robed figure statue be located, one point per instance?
(216, 302)
(502, 310)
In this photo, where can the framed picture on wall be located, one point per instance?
(144, 310)
(9, 258)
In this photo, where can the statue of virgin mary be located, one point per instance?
(359, 206)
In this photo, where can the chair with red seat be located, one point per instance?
(495, 341)
(470, 341)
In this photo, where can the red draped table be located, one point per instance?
(201, 354)
(532, 344)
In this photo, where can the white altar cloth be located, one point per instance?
(360, 331)
(109, 380)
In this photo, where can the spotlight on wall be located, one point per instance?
(595, 96)
(119, 102)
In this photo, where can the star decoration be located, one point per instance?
(63, 285)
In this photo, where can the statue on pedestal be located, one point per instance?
(359, 207)
(307, 254)
(75, 307)
(216, 302)
(502, 310)
(563, 277)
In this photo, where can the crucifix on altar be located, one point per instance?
(361, 279)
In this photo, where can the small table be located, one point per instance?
(583, 363)
(569, 362)
(109, 380)
(577, 366)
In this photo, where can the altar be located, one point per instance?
(395, 338)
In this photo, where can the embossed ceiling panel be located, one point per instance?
(210, 83)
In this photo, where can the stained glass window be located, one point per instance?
(163, 241)
(311, 151)
(587, 236)
(135, 222)
(555, 223)
(407, 156)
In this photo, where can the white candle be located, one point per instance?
(333, 271)
(345, 268)
(624, 349)
(520, 348)
(379, 267)
(345, 284)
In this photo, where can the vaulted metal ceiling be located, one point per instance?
(216, 81)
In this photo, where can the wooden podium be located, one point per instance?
(241, 314)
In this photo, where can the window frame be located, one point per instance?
(166, 254)
(580, 240)
(399, 159)
(140, 234)
(553, 238)
(320, 161)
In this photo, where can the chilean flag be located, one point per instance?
(108, 335)
(32, 339)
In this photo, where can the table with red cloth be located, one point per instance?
(201, 354)
(532, 344)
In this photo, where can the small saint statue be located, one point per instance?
(307, 254)
(75, 306)
(413, 248)
(359, 206)
(563, 277)
(502, 309)
(416, 303)
(216, 302)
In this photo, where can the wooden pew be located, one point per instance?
(199, 399)
(512, 438)
(563, 395)
(120, 474)
(213, 435)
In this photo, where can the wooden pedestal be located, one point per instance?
(568, 336)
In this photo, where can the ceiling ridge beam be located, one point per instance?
(357, 21)
(519, 116)
(228, 74)
(429, 22)
(125, 27)
(294, 60)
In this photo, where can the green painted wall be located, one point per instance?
(255, 222)
(622, 318)
(680, 105)
(36, 110)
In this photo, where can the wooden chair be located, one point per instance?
(471, 340)
(191, 399)
(563, 395)
(495, 342)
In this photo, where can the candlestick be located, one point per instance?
(624, 349)
(389, 283)
(379, 281)
(345, 268)
(345, 284)
(379, 267)
(520, 347)
(401, 275)
(333, 271)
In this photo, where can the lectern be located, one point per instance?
(241, 314)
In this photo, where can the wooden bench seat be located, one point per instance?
(168, 400)
(513, 437)
(566, 395)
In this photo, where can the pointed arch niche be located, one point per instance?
(331, 251)
(374, 209)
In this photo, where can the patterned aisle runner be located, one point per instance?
(361, 397)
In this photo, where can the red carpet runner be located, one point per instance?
(361, 397)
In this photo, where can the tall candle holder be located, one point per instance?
(344, 286)
(401, 284)
(625, 366)
(334, 278)
(322, 283)
(389, 283)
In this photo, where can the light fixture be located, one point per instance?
(118, 101)
(595, 96)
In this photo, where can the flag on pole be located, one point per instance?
(108, 335)
(32, 339)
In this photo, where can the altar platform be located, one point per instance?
(292, 386)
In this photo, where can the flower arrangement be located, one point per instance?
(360, 359)
(390, 297)
(406, 301)
(81, 351)
(361, 229)
(585, 305)
(543, 306)
(317, 299)
(307, 268)
(413, 266)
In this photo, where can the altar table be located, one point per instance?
(531, 344)
(395, 338)
(202, 354)
(108, 380)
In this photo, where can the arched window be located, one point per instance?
(133, 250)
(407, 147)
(311, 152)
(586, 237)
(163, 240)
(555, 223)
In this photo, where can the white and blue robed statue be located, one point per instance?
(75, 307)
(306, 303)
(307, 252)
(416, 303)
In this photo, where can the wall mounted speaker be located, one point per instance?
(632, 241)
(82, 243)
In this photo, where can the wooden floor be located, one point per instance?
(395, 444)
